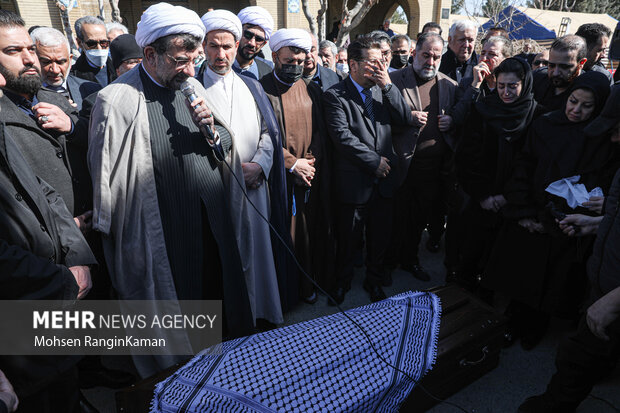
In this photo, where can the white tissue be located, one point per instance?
(574, 193)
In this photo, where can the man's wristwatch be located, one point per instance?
(387, 88)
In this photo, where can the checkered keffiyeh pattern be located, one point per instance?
(321, 365)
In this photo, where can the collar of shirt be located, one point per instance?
(57, 88)
(252, 68)
(359, 89)
(223, 81)
(151, 77)
(317, 75)
(21, 102)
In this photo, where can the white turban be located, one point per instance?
(163, 19)
(257, 16)
(291, 37)
(222, 20)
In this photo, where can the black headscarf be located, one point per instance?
(595, 82)
(510, 120)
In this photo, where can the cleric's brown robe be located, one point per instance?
(311, 228)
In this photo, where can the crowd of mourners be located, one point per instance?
(217, 158)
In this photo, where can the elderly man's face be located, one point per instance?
(328, 58)
(18, 61)
(342, 57)
(563, 67)
(173, 67)
(55, 63)
(311, 58)
(113, 34)
(252, 40)
(386, 52)
(541, 59)
(492, 55)
(462, 43)
(95, 37)
(427, 58)
(220, 50)
(127, 65)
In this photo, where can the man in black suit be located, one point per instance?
(460, 58)
(359, 112)
(43, 255)
(315, 72)
(94, 64)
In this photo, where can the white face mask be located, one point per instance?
(97, 57)
(342, 67)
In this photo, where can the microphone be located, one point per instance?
(188, 91)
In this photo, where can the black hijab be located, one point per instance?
(510, 120)
(570, 152)
(598, 84)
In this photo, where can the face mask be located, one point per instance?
(343, 67)
(399, 61)
(97, 57)
(290, 73)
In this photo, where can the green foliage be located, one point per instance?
(399, 16)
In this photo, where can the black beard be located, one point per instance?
(26, 84)
(245, 55)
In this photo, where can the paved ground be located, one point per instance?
(520, 374)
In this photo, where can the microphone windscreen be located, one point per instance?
(187, 89)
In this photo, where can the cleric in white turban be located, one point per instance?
(291, 37)
(257, 16)
(222, 20)
(163, 19)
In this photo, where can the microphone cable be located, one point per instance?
(292, 254)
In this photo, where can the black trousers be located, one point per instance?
(581, 361)
(418, 203)
(60, 396)
(375, 217)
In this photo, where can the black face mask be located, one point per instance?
(399, 61)
(290, 73)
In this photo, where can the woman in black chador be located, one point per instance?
(533, 262)
(493, 134)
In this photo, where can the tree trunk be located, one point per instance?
(101, 10)
(309, 16)
(116, 12)
(66, 25)
(352, 18)
(322, 21)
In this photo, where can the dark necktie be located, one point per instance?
(368, 105)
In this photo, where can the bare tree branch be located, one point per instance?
(116, 12)
(352, 18)
(66, 23)
(311, 19)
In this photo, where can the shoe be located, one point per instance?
(418, 272)
(113, 379)
(86, 406)
(432, 246)
(311, 299)
(337, 296)
(544, 404)
(387, 281)
(375, 291)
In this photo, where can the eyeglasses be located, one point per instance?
(93, 43)
(249, 36)
(180, 63)
(540, 63)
